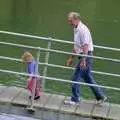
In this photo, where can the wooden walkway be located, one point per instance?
(19, 96)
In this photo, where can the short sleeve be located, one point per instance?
(31, 68)
(85, 36)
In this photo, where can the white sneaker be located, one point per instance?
(69, 102)
(101, 101)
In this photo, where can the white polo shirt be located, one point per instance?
(82, 36)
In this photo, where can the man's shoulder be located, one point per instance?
(83, 28)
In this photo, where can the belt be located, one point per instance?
(89, 53)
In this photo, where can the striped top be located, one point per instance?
(82, 36)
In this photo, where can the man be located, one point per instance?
(82, 45)
(31, 69)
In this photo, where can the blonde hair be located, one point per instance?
(74, 15)
(27, 57)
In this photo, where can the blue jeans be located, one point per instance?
(88, 78)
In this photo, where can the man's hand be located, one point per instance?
(70, 61)
(85, 52)
(83, 63)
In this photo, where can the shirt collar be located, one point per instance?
(78, 26)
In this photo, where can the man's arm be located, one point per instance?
(85, 52)
(70, 59)
(85, 46)
(85, 49)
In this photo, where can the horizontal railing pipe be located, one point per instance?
(59, 66)
(59, 51)
(60, 80)
(55, 40)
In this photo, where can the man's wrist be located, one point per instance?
(72, 56)
(84, 57)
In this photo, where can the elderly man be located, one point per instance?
(83, 44)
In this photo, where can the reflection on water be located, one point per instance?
(10, 112)
(4, 116)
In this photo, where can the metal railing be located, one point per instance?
(58, 51)
(52, 39)
(60, 80)
(59, 66)
(48, 50)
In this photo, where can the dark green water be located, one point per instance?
(9, 112)
(49, 18)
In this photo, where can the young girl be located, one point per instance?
(31, 69)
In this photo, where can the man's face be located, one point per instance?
(71, 21)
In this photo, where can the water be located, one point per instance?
(4, 116)
(10, 112)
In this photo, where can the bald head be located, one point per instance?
(73, 18)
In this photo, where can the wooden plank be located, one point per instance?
(42, 101)
(2, 88)
(114, 112)
(85, 108)
(9, 93)
(54, 102)
(101, 111)
(22, 98)
(67, 108)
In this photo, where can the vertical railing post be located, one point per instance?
(34, 82)
(38, 60)
(46, 62)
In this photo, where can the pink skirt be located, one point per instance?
(37, 88)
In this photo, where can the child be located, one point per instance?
(31, 69)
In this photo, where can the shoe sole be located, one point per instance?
(35, 98)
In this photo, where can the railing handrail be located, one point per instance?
(59, 66)
(60, 80)
(59, 51)
(52, 39)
